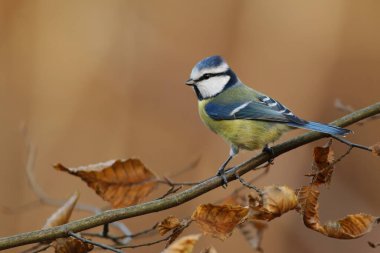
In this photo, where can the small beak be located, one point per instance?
(190, 82)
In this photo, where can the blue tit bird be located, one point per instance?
(244, 118)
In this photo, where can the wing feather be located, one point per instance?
(266, 109)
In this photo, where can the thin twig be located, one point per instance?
(247, 184)
(100, 245)
(143, 244)
(116, 239)
(236, 191)
(342, 156)
(165, 180)
(180, 197)
(254, 179)
(354, 145)
(171, 190)
(187, 168)
(146, 231)
(173, 235)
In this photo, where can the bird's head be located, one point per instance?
(211, 76)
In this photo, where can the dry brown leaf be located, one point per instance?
(323, 164)
(183, 245)
(253, 232)
(209, 250)
(350, 227)
(169, 223)
(62, 215)
(308, 206)
(70, 245)
(122, 182)
(376, 149)
(323, 156)
(272, 202)
(219, 220)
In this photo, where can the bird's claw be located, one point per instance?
(224, 178)
(269, 151)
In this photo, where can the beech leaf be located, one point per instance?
(62, 215)
(122, 182)
(323, 164)
(169, 223)
(272, 202)
(308, 206)
(350, 227)
(70, 245)
(219, 220)
(183, 245)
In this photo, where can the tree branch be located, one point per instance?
(181, 197)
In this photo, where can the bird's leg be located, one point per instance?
(221, 173)
(269, 151)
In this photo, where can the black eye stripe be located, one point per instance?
(208, 75)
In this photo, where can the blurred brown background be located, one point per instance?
(98, 80)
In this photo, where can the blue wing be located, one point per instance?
(266, 109)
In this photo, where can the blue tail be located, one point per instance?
(323, 128)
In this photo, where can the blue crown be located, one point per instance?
(210, 62)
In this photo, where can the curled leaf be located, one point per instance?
(376, 149)
(69, 245)
(308, 206)
(121, 182)
(272, 202)
(62, 215)
(350, 227)
(168, 224)
(183, 245)
(323, 156)
(219, 220)
(323, 164)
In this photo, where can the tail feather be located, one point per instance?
(323, 128)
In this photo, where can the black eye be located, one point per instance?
(206, 76)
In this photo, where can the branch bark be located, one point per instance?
(181, 197)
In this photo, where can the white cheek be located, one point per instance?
(213, 86)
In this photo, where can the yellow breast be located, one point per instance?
(244, 134)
